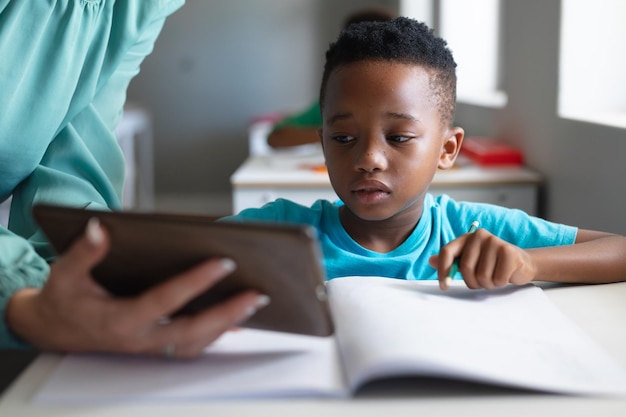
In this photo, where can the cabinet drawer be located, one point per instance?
(256, 197)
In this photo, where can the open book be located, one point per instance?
(512, 337)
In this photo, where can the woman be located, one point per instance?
(66, 65)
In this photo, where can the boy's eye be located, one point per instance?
(398, 138)
(343, 138)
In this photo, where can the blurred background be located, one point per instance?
(542, 75)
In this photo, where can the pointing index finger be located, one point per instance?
(455, 265)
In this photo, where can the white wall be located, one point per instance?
(216, 65)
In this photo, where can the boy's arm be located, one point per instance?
(297, 129)
(595, 258)
(293, 136)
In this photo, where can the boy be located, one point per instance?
(388, 99)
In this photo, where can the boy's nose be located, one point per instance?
(371, 156)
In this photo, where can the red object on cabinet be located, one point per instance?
(488, 151)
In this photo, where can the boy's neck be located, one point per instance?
(379, 235)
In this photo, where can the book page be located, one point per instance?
(385, 328)
(243, 364)
(512, 337)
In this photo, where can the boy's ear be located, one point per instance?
(450, 147)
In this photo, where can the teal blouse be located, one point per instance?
(64, 72)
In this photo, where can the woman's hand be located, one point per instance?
(72, 313)
(485, 261)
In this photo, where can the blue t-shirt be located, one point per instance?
(442, 221)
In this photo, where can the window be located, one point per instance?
(472, 30)
(592, 79)
(421, 10)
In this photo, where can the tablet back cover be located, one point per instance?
(282, 261)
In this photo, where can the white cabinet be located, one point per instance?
(256, 197)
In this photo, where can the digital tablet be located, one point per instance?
(280, 260)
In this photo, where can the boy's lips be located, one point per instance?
(370, 191)
(370, 186)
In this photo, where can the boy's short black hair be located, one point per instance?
(401, 40)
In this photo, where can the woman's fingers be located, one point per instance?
(187, 337)
(88, 250)
(168, 297)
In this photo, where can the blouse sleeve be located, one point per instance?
(81, 164)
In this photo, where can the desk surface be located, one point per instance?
(599, 310)
(302, 170)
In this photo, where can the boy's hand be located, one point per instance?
(485, 261)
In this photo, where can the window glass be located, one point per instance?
(592, 78)
(472, 30)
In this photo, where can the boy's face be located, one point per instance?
(383, 138)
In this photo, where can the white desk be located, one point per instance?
(263, 178)
(599, 310)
